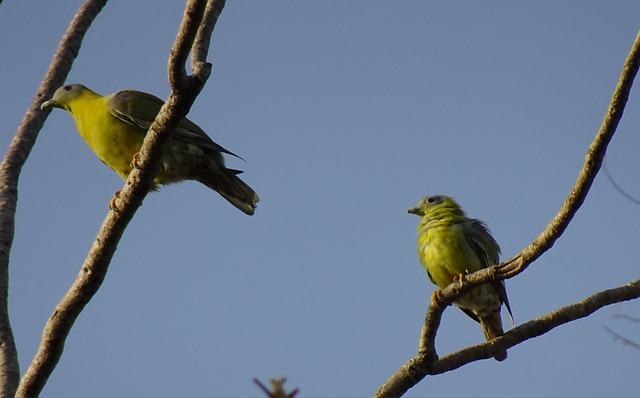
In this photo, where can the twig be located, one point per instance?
(616, 185)
(277, 388)
(618, 337)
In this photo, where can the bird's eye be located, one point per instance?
(67, 88)
(431, 200)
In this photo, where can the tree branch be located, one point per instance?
(12, 163)
(184, 91)
(414, 370)
(592, 164)
(203, 37)
(427, 362)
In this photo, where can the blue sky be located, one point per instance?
(346, 114)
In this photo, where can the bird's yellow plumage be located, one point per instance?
(113, 141)
(114, 127)
(445, 255)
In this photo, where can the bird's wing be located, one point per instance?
(431, 277)
(135, 107)
(190, 132)
(470, 314)
(488, 251)
(140, 109)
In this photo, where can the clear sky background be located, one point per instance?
(346, 113)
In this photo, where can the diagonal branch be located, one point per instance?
(592, 164)
(184, 91)
(415, 369)
(426, 361)
(12, 163)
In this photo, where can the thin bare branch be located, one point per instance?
(12, 163)
(427, 347)
(592, 164)
(203, 37)
(414, 370)
(191, 19)
(184, 91)
(616, 185)
(618, 315)
(619, 337)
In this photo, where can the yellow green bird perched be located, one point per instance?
(115, 125)
(451, 245)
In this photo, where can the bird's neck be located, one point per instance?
(88, 111)
(443, 217)
(83, 104)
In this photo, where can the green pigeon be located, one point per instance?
(115, 125)
(451, 245)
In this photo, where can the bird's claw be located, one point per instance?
(436, 298)
(460, 278)
(112, 202)
(135, 162)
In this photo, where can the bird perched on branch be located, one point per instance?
(451, 245)
(115, 125)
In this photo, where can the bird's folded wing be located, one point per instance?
(140, 109)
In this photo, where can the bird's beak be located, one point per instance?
(415, 210)
(48, 104)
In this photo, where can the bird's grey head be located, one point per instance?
(63, 95)
(427, 202)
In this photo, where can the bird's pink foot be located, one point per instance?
(112, 202)
(135, 162)
(436, 298)
(460, 278)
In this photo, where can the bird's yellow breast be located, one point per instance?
(445, 253)
(112, 140)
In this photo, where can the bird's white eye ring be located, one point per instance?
(431, 200)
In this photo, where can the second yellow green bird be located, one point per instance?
(451, 245)
(114, 126)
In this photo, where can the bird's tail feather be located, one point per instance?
(232, 188)
(492, 328)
